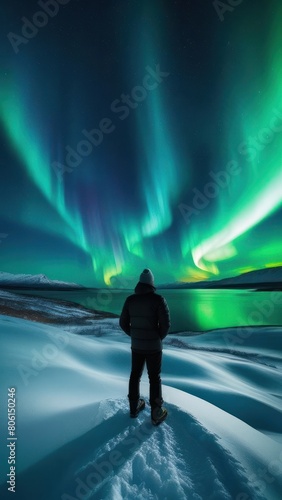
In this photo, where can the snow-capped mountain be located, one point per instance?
(33, 281)
(261, 278)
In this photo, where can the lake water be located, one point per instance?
(191, 310)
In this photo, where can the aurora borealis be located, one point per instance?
(140, 133)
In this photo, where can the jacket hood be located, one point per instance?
(144, 288)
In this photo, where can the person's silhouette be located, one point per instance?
(145, 318)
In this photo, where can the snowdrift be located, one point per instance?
(75, 439)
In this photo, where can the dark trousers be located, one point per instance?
(153, 361)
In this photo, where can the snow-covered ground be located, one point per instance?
(51, 309)
(75, 440)
(58, 312)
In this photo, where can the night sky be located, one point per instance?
(141, 133)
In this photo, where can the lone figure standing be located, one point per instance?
(145, 318)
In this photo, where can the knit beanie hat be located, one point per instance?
(147, 277)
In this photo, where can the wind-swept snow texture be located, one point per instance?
(75, 440)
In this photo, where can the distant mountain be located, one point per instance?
(39, 281)
(263, 279)
(260, 277)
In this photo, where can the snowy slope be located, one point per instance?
(9, 279)
(76, 440)
(53, 309)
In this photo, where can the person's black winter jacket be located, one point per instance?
(145, 318)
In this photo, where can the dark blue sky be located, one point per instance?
(140, 134)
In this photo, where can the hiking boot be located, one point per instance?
(158, 415)
(136, 408)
